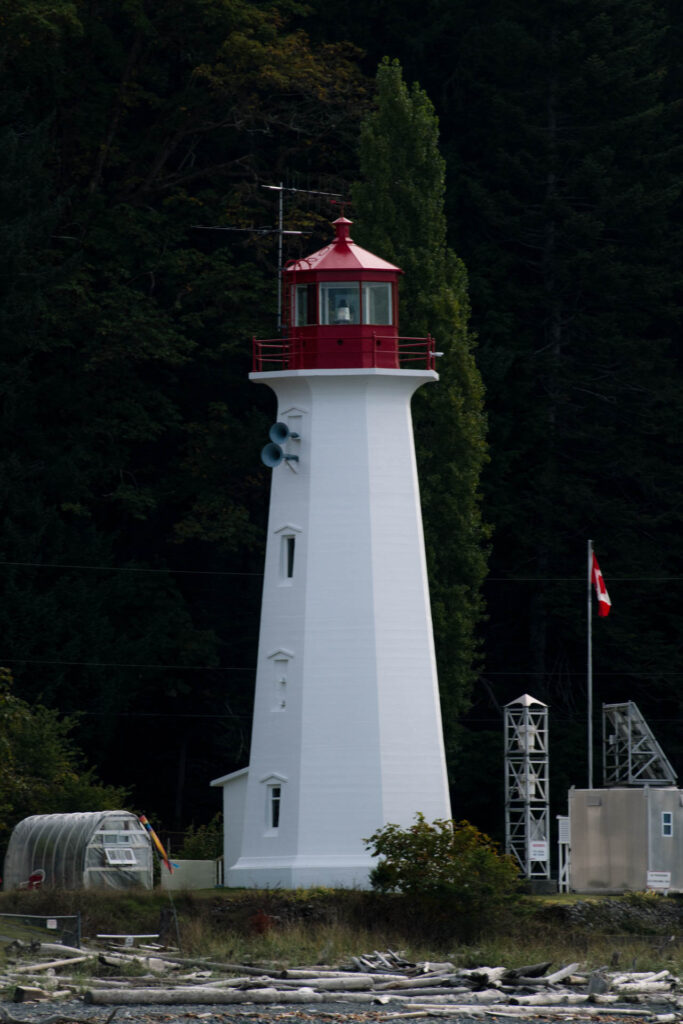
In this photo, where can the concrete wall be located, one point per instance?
(190, 874)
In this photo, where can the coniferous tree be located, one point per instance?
(399, 206)
(132, 432)
(568, 179)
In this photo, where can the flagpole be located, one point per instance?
(590, 667)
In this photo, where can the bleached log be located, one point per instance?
(369, 998)
(414, 981)
(69, 962)
(214, 965)
(300, 974)
(200, 996)
(551, 999)
(439, 990)
(485, 998)
(558, 1011)
(548, 979)
(352, 984)
(629, 976)
(489, 975)
(152, 963)
(24, 994)
(649, 987)
(528, 971)
(58, 948)
(649, 997)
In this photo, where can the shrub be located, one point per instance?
(451, 869)
(204, 842)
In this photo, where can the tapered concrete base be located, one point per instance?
(300, 872)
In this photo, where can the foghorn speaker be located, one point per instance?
(279, 432)
(272, 454)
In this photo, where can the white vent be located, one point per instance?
(120, 855)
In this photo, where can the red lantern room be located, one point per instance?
(340, 311)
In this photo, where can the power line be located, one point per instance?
(580, 579)
(581, 675)
(116, 664)
(124, 568)
(152, 714)
(117, 568)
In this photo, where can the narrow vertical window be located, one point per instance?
(288, 544)
(667, 823)
(304, 304)
(275, 795)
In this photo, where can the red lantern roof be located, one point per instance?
(342, 254)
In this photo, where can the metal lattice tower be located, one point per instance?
(526, 785)
(631, 754)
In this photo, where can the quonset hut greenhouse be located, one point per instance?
(86, 850)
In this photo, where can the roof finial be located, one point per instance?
(343, 225)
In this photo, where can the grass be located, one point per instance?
(285, 929)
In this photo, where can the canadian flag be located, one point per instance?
(604, 603)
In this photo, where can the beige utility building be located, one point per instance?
(626, 839)
(628, 835)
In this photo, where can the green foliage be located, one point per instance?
(450, 871)
(41, 769)
(205, 842)
(132, 431)
(401, 216)
(439, 858)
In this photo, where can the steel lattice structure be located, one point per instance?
(526, 785)
(631, 754)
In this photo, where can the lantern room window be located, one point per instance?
(377, 302)
(304, 305)
(340, 302)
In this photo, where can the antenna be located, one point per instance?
(280, 232)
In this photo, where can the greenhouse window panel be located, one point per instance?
(120, 855)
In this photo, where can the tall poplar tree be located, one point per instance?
(399, 208)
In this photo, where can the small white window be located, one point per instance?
(667, 823)
(120, 855)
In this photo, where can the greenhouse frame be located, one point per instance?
(85, 850)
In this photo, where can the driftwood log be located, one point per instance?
(402, 988)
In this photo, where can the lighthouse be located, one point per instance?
(347, 732)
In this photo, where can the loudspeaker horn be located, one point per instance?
(272, 455)
(279, 432)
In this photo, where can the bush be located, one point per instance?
(204, 842)
(451, 869)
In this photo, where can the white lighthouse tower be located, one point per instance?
(347, 730)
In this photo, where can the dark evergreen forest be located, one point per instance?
(138, 258)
